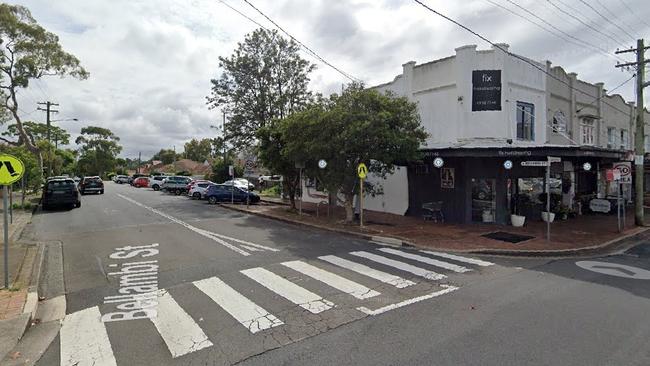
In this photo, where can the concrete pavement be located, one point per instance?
(231, 288)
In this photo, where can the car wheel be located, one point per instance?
(212, 200)
(197, 195)
(177, 192)
(101, 192)
(78, 204)
(156, 188)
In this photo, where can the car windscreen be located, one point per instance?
(60, 185)
(92, 180)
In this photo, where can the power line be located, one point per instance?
(613, 15)
(634, 13)
(617, 41)
(244, 15)
(558, 32)
(607, 19)
(352, 78)
(533, 64)
(609, 91)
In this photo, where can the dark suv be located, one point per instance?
(60, 192)
(91, 185)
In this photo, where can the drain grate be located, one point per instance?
(508, 237)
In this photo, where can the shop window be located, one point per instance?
(625, 143)
(525, 121)
(612, 140)
(422, 169)
(588, 131)
(559, 122)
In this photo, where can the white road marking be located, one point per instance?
(458, 258)
(434, 262)
(340, 283)
(84, 341)
(219, 238)
(246, 312)
(400, 265)
(179, 331)
(407, 302)
(615, 269)
(289, 290)
(384, 277)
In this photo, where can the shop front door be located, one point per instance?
(484, 201)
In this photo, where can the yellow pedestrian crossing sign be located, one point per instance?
(362, 171)
(11, 169)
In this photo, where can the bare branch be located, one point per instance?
(12, 143)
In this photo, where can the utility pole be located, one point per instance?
(48, 109)
(139, 157)
(639, 138)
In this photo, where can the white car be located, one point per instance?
(122, 179)
(240, 183)
(198, 190)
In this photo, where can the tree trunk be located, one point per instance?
(349, 208)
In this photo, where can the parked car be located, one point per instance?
(121, 179)
(141, 182)
(198, 189)
(60, 192)
(91, 185)
(134, 177)
(264, 180)
(175, 184)
(241, 183)
(225, 193)
(156, 181)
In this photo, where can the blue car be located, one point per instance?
(223, 193)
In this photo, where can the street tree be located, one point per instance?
(167, 156)
(37, 131)
(361, 126)
(98, 150)
(28, 52)
(198, 150)
(264, 79)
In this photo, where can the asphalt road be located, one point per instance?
(232, 288)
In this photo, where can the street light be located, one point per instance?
(56, 141)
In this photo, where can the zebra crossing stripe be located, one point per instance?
(246, 312)
(289, 290)
(179, 331)
(400, 265)
(84, 340)
(458, 258)
(342, 284)
(434, 262)
(367, 271)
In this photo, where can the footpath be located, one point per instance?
(582, 235)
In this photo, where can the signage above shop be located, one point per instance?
(600, 205)
(438, 162)
(554, 159)
(507, 164)
(534, 163)
(486, 90)
(586, 166)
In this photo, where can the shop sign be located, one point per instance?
(625, 168)
(600, 205)
(534, 163)
(486, 90)
(438, 162)
(613, 175)
(447, 178)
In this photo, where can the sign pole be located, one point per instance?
(300, 190)
(361, 202)
(5, 193)
(11, 204)
(548, 199)
(618, 205)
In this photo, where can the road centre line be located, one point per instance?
(219, 238)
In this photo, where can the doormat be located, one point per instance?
(507, 237)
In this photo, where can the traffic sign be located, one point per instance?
(11, 169)
(534, 163)
(625, 167)
(507, 164)
(362, 171)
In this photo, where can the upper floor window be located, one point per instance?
(559, 122)
(588, 131)
(612, 138)
(625, 140)
(525, 121)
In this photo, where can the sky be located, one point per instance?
(151, 61)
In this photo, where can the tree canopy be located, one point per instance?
(198, 150)
(27, 52)
(98, 150)
(37, 131)
(167, 156)
(361, 125)
(264, 79)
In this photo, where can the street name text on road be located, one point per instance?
(615, 269)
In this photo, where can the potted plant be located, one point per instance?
(555, 200)
(516, 219)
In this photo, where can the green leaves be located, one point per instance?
(198, 150)
(99, 148)
(265, 78)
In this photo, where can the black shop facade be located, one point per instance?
(488, 184)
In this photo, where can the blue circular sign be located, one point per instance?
(507, 164)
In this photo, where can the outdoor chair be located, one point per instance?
(433, 211)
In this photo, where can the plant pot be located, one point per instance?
(488, 216)
(548, 216)
(517, 220)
